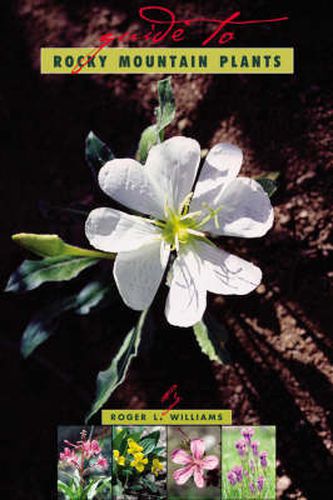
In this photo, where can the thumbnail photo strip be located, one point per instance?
(166, 462)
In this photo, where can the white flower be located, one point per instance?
(179, 220)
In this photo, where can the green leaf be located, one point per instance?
(136, 435)
(45, 322)
(148, 445)
(106, 483)
(211, 337)
(108, 380)
(51, 245)
(119, 438)
(167, 108)
(159, 449)
(149, 138)
(90, 296)
(165, 113)
(97, 153)
(117, 490)
(137, 487)
(92, 489)
(66, 490)
(268, 185)
(155, 435)
(33, 273)
(149, 485)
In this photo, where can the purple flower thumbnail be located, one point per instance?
(255, 447)
(241, 447)
(263, 458)
(232, 478)
(260, 482)
(238, 470)
(252, 488)
(247, 433)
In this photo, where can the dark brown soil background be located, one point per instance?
(280, 336)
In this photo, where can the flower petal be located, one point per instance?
(180, 457)
(127, 181)
(197, 448)
(210, 462)
(186, 300)
(246, 210)
(222, 165)
(114, 231)
(172, 167)
(198, 477)
(225, 273)
(138, 274)
(182, 475)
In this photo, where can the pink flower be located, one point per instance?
(67, 453)
(91, 448)
(70, 457)
(195, 463)
(95, 447)
(102, 462)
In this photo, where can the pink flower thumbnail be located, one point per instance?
(194, 464)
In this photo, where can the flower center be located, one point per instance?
(178, 230)
(182, 227)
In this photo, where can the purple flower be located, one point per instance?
(263, 458)
(238, 470)
(252, 466)
(260, 482)
(241, 447)
(232, 478)
(247, 434)
(252, 488)
(255, 448)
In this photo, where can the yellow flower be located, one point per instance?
(133, 447)
(118, 458)
(156, 466)
(139, 461)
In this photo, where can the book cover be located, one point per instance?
(167, 250)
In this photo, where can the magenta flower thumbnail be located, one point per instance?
(194, 464)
